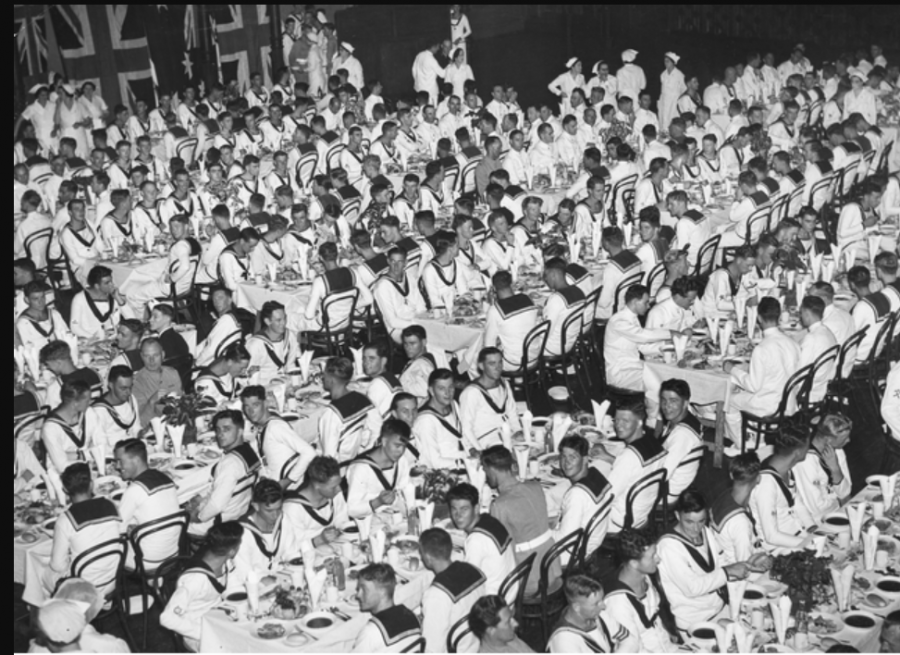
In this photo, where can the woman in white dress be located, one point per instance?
(94, 105)
(566, 82)
(459, 29)
(458, 72)
(72, 120)
(315, 68)
(672, 87)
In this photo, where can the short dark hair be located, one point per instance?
(575, 442)
(813, 304)
(633, 544)
(73, 390)
(416, 331)
(118, 372)
(322, 469)
(267, 492)
(769, 309)
(55, 350)
(859, 276)
(97, 274)
(394, 427)
(223, 538)
(340, 367)
(382, 575)
(436, 543)
(684, 285)
(76, 479)
(232, 415)
(133, 448)
(403, 396)
(485, 614)
(678, 386)
(497, 457)
(690, 502)
(581, 586)
(745, 467)
(256, 391)
(463, 491)
(635, 292)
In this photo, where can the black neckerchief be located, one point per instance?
(114, 415)
(488, 399)
(92, 305)
(37, 325)
(84, 242)
(55, 418)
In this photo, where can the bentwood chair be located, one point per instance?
(530, 376)
(145, 571)
(548, 605)
(601, 515)
(418, 646)
(336, 334)
(706, 256)
(94, 562)
(512, 589)
(457, 633)
(763, 429)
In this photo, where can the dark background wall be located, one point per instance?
(526, 46)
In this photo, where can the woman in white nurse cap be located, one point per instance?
(673, 87)
(60, 624)
(567, 82)
(630, 77)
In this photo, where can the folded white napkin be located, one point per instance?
(506, 435)
(626, 230)
(722, 640)
(176, 433)
(303, 264)
(357, 362)
(19, 356)
(847, 584)
(742, 638)
(781, 612)
(791, 278)
(305, 361)
(815, 266)
(72, 340)
(838, 584)
(279, 391)
(98, 451)
(596, 238)
(725, 333)
(426, 514)
(802, 286)
(522, 453)
(252, 586)
(600, 410)
(364, 525)
(856, 513)
(159, 429)
(409, 498)
(712, 322)
(272, 269)
(870, 546)
(828, 268)
(680, 341)
(849, 256)
(33, 360)
(315, 582)
(740, 309)
(888, 489)
(376, 543)
(527, 419)
(874, 245)
(561, 424)
(736, 598)
(752, 313)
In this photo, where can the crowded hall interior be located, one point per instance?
(439, 329)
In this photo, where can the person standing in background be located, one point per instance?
(459, 28)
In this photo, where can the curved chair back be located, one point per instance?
(885, 335)
(350, 209)
(821, 190)
(885, 158)
(98, 559)
(655, 279)
(418, 646)
(306, 169)
(778, 212)
(652, 485)
(459, 631)
(706, 256)
(512, 589)
(848, 353)
(628, 281)
(187, 150)
(601, 515)
(797, 387)
(451, 176)
(37, 245)
(756, 224)
(467, 176)
(571, 329)
(590, 311)
(333, 155)
(338, 310)
(865, 166)
(534, 346)
(619, 192)
(793, 204)
(824, 371)
(174, 523)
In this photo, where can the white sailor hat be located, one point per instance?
(629, 55)
(671, 55)
(349, 48)
(37, 88)
(572, 61)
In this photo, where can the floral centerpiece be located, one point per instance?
(435, 485)
(807, 577)
(184, 410)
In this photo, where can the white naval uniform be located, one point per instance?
(399, 304)
(484, 412)
(872, 311)
(559, 306)
(348, 427)
(579, 504)
(151, 496)
(817, 493)
(640, 616)
(38, 334)
(890, 404)
(639, 459)
(273, 358)
(109, 424)
(197, 593)
(631, 81)
(221, 390)
(365, 482)
(735, 530)
(394, 630)
(285, 454)
(620, 266)
(263, 552)
(818, 339)
(508, 322)
(622, 347)
(684, 447)
(225, 331)
(608, 636)
(233, 479)
(775, 511)
(309, 522)
(64, 443)
(489, 548)
(441, 441)
(691, 231)
(667, 315)
(450, 597)
(691, 577)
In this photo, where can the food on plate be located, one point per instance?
(29, 538)
(874, 600)
(862, 583)
(287, 606)
(822, 626)
(107, 488)
(271, 631)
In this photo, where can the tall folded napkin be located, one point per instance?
(874, 245)
(426, 514)
(357, 362)
(888, 489)
(847, 584)
(272, 269)
(596, 238)
(856, 513)
(828, 268)
(600, 411)
(176, 433)
(72, 340)
(315, 582)
(626, 229)
(736, 598)
(409, 498)
(791, 277)
(712, 322)
(527, 419)
(781, 612)
(742, 638)
(849, 256)
(560, 425)
(522, 453)
(98, 451)
(440, 358)
(725, 333)
(252, 586)
(722, 640)
(802, 286)
(279, 391)
(838, 583)
(506, 435)
(680, 341)
(740, 310)
(364, 525)
(159, 430)
(305, 361)
(376, 542)
(752, 312)
(303, 264)
(815, 266)
(870, 547)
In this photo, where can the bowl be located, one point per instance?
(889, 586)
(319, 621)
(297, 640)
(703, 634)
(270, 630)
(755, 595)
(836, 521)
(559, 394)
(859, 620)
